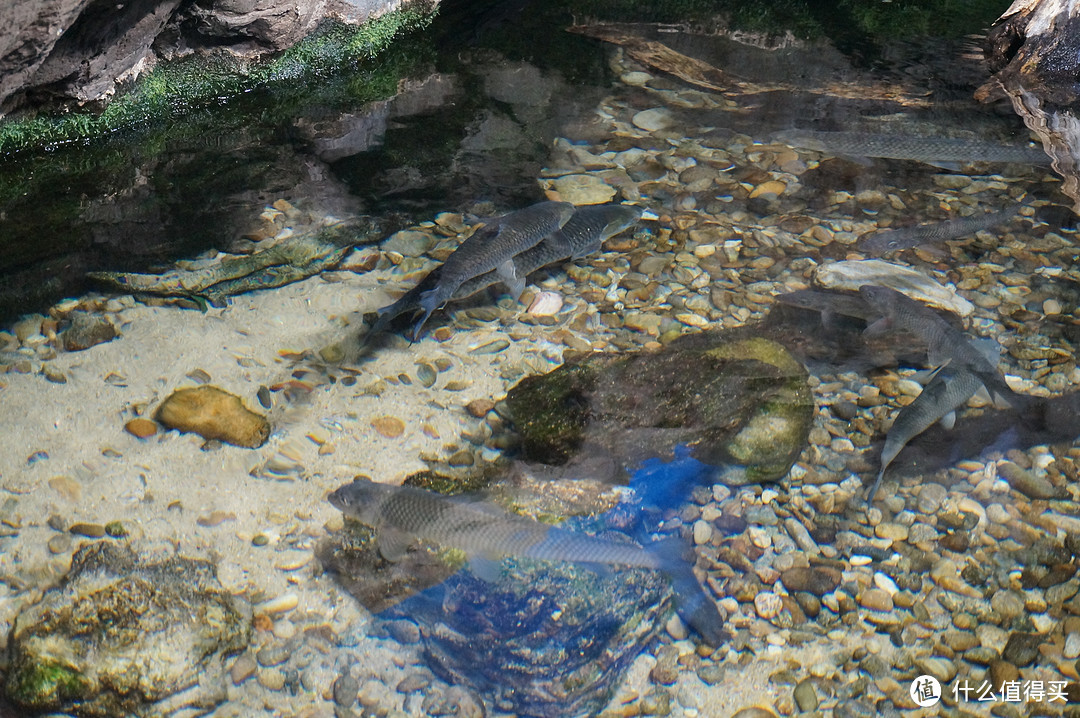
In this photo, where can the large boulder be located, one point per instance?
(120, 633)
(741, 405)
(80, 49)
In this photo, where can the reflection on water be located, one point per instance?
(735, 371)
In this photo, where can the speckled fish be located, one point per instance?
(583, 234)
(493, 248)
(931, 150)
(946, 345)
(947, 391)
(486, 532)
(886, 241)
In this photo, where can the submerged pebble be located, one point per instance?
(213, 413)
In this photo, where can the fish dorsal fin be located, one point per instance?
(989, 348)
(392, 543)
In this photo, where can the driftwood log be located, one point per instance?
(1033, 51)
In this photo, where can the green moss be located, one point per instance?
(187, 87)
(550, 413)
(45, 684)
(449, 485)
(762, 350)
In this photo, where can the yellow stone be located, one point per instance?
(772, 187)
(213, 413)
(389, 426)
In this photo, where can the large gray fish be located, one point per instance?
(947, 391)
(886, 241)
(931, 150)
(829, 303)
(486, 532)
(946, 345)
(494, 247)
(583, 234)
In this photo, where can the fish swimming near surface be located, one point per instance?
(940, 398)
(486, 533)
(886, 241)
(493, 248)
(583, 234)
(931, 150)
(946, 345)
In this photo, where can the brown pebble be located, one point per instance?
(242, 669)
(213, 413)
(754, 712)
(480, 407)
(142, 428)
(215, 518)
(876, 600)
(389, 426)
(817, 580)
(60, 543)
(67, 487)
(1001, 671)
(88, 530)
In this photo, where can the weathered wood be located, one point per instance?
(1033, 50)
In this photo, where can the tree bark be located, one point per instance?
(1034, 52)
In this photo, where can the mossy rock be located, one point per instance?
(120, 634)
(551, 411)
(737, 402)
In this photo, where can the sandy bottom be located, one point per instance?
(66, 454)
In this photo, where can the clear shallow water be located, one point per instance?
(968, 544)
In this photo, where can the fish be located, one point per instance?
(493, 248)
(829, 303)
(582, 235)
(931, 150)
(949, 389)
(946, 345)
(884, 242)
(488, 533)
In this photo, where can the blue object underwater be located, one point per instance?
(668, 484)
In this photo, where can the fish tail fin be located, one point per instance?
(381, 324)
(877, 484)
(429, 302)
(693, 605)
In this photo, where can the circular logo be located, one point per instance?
(925, 691)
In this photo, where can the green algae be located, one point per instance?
(46, 684)
(550, 412)
(189, 86)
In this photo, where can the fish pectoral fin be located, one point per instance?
(877, 327)
(507, 272)
(950, 166)
(591, 248)
(948, 421)
(487, 568)
(392, 543)
(925, 376)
